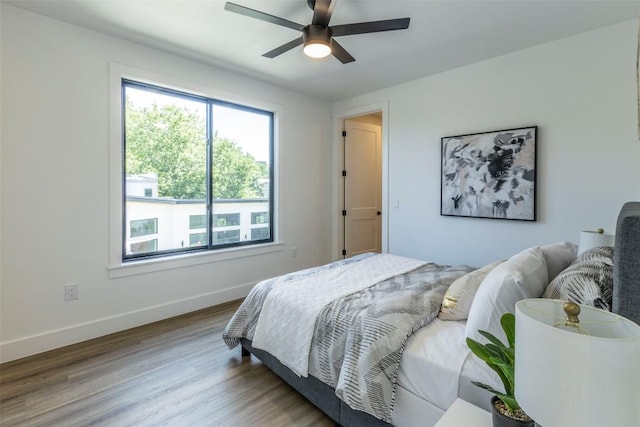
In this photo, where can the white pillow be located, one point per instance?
(524, 275)
(459, 296)
(559, 256)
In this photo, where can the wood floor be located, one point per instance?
(176, 372)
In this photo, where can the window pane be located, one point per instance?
(197, 239)
(241, 162)
(223, 237)
(226, 220)
(165, 163)
(144, 247)
(259, 217)
(143, 227)
(197, 221)
(261, 233)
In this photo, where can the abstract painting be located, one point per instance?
(490, 175)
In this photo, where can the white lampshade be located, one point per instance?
(564, 378)
(592, 239)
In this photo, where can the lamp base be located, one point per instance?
(501, 420)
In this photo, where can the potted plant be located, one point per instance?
(500, 358)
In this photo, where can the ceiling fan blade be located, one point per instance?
(282, 49)
(322, 11)
(339, 52)
(252, 13)
(370, 27)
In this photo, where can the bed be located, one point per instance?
(409, 368)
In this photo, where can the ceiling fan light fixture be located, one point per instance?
(317, 50)
(317, 41)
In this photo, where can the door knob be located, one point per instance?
(378, 213)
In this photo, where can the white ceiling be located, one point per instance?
(442, 35)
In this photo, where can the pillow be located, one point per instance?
(588, 280)
(524, 275)
(459, 296)
(558, 256)
(602, 254)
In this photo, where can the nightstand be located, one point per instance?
(463, 413)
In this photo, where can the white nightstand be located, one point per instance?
(463, 413)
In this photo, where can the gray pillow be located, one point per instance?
(588, 280)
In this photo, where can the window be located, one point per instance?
(144, 247)
(226, 220)
(260, 233)
(229, 236)
(259, 217)
(143, 227)
(197, 221)
(203, 162)
(197, 239)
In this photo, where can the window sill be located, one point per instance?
(153, 265)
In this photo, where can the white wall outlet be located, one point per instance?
(294, 252)
(71, 292)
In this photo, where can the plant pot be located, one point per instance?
(500, 420)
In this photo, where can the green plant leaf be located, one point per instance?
(479, 350)
(497, 352)
(511, 355)
(506, 354)
(492, 339)
(500, 358)
(508, 323)
(507, 373)
(493, 353)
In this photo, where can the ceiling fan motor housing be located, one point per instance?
(317, 34)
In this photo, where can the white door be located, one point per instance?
(362, 188)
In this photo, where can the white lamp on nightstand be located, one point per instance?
(579, 367)
(592, 239)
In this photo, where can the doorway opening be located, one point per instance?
(362, 185)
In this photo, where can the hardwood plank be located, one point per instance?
(175, 372)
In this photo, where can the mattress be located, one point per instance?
(437, 366)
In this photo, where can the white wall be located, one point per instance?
(580, 91)
(55, 189)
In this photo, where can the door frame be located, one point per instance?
(337, 188)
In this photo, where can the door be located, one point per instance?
(362, 188)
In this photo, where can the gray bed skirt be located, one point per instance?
(317, 392)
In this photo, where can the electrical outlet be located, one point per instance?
(71, 292)
(294, 252)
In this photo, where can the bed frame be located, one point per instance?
(626, 263)
(626, 302)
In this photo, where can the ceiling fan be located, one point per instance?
(318, 37)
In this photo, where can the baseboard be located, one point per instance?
(34, 344)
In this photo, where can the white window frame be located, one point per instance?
(116, 266)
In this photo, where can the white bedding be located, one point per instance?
(432, 362)
(436, 368)
(292, 342)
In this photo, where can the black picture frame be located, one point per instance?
(490, 174)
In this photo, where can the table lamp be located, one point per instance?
(576, 365)
(592, 239)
